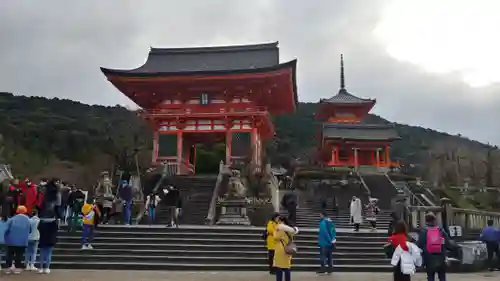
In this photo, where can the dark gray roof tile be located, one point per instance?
(359, 131)
(344, 97)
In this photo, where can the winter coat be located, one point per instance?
(437, 260)
(271, 229)
(89, 212)
(48, 233)
(408, 259)
(356, 210)
(282, 237)
(28, 198)
(35, 234)
(17, 230)
(326, 234)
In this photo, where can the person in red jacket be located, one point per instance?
(29, 195)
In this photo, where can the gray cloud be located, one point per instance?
(55, 49)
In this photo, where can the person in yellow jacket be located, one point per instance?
(271, 227)
(89, 212)
(282, 261)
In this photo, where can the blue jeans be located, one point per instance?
(152, 214)
(127, 212)
(283, 271)
(87, 234)
(30, 254)
(325, 257)
(45, 257)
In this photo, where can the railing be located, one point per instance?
(235, 111)
(467, 219)
(175, 168)
(402, 187)
(364, 184)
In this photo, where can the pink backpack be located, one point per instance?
(434, 240)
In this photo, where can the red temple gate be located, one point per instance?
(211, 94)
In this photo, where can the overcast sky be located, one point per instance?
(430, 63)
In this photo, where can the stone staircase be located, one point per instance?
(309, 217)
(204, 248)
(381, 187)
(196, 193)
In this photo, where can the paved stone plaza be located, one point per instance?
(81, 275)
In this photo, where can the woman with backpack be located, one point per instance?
(434, 241)
(284, 248)
(271, 228)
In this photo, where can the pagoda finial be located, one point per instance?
(342, 78)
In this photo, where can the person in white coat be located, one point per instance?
(406, 256)
(356, 209)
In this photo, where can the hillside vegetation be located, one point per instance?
(54, 137)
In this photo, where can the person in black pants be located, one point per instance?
(17, 232)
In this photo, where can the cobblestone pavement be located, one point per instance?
(81, 275)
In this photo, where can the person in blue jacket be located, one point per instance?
(491, 237)
(16, 235)
(326, 241)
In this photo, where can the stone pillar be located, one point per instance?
(155, 145)
(446, 214)
(387, 159)
(377, 155)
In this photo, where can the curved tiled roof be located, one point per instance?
(203, 59)
(344, 97)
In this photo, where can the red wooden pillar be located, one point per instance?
(254, 137)
(229, 145)
(377, 157)
(155, 145)
(179, 152)
(387, 159)
(356, 162)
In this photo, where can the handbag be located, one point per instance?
(290, 248)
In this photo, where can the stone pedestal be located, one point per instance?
(233, 212)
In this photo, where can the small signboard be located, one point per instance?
(455, 230)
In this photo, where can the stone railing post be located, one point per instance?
(446, 214)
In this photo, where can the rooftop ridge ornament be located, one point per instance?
(342, 77)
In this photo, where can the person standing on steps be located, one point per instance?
(372, 212)
(48, 229)
(356, 211)
(284, 247)
(271, 228)
(90, 212)
(152, 201)
(289, 202)
(326, 240)
(126, 193)
(490, 235)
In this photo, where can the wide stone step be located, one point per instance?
(218, 236)
(341, 247)
(343, 253)
(140, 265)
(167, 241)
(86, 255)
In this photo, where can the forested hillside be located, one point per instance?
(54, 137)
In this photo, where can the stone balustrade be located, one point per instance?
(467, 219)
